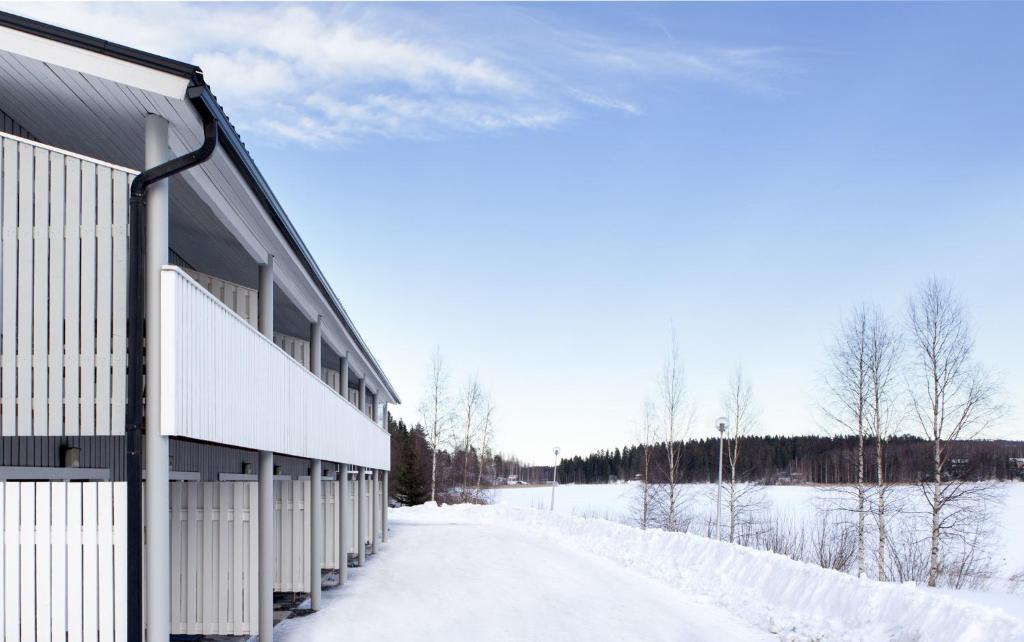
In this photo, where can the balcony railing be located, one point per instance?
(222, 381)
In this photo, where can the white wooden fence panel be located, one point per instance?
(354, 523)
(332, 524)
(378, 506)
(243, 301)
(224, 382)
(291, 529)
(291, 532)
(64, 561)
(332, 378)
(63, 322)
(213, 552)
(296, 348)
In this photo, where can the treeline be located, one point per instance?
(411, 464)
(799, 459)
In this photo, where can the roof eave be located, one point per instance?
(199, 94)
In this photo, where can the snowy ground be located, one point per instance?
(499, 573)
(795, 503)
(451, 575)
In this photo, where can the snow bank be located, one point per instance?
(796, 600)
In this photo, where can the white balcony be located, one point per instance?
(222, 381)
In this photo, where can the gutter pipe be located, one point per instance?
(135, 420)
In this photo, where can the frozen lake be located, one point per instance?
(789, 503)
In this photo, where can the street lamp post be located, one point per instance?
(721, 424)
(554, 480)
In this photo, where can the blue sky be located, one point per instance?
(542, 189)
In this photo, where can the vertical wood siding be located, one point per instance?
(214, 553)
(224, 382)
(64, 561)
(63, 288)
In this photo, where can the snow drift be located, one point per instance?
(795, 600)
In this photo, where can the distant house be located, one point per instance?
(256, 379)
(790, 478)
(1017, 467)
(957, 468)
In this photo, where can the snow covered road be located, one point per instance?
(443, 577)
(468, 573)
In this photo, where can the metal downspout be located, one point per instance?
(136, 306)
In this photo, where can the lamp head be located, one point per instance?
(722, 424)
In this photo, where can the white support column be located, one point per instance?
(316, 531)
(361, 515)
(158, 508)
(345, 521)
(344, 376)
(265, 298)
(384, 511)
(375, 510)
(315, 344)
(362, 394)
(265, 597)
(384, 414)
(316, 485)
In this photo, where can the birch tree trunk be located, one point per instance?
(880, 472)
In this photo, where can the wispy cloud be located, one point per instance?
(328, 74)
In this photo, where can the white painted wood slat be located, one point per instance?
(40, 291)
(57, 256)
(9, 285)
(72, 304)
(87, 299)
(25, 290)
(104, 295)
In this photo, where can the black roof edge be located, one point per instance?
(98, 45)
(204, 101)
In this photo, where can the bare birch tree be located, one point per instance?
(847, 384)
(436, 414)
(647, 435)
(676, 418)
(485, 437)
(470, 407)
(884, 351)
(951, 398)
(738, 402)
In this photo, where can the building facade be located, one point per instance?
(189, 419)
